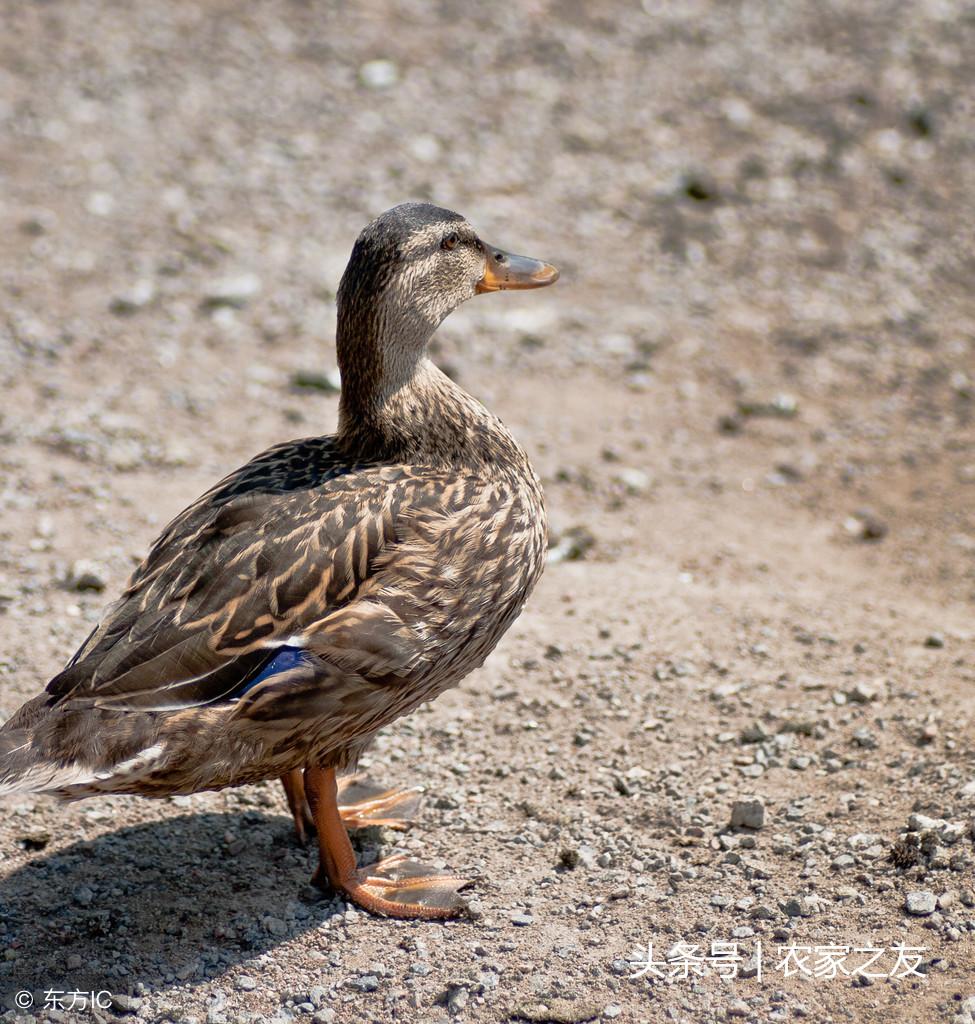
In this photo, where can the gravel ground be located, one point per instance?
(739, 708)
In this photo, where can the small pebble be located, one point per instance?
(83, 896)
(100, 204)
(379, 74)
(920, 903)
(573, 545)
(861, 693)
(634, 481)
(233, 292)
(755, 733)
(457, 998)
(274, 925)
(126, 1004)
(864, 525)
(749, 813)
(329, 382)
(85, 575)
(136, 298)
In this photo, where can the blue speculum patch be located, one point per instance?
(287, 658)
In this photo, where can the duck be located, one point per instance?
(321, 591)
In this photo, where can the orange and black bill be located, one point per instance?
(506, 270)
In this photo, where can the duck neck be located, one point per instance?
(395, 404)
(378, 356)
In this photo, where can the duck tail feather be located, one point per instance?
(26, 769)
(18, 761)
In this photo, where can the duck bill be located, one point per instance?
(505, 270)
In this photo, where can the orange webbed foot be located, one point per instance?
(394, 887)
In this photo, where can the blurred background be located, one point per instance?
(745, 199)
(750, 396)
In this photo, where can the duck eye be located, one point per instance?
(451, 241)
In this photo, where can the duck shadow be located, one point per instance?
(166, 903)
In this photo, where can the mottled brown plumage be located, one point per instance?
(328, 586)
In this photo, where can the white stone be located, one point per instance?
(920, 903)
(379, 74)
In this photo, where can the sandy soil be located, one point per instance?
(753, 389)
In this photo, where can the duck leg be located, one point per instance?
(395, 887)
(294, 790)
(362, 804)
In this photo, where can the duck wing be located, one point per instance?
(256, 566)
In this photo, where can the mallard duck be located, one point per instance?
(324, 589)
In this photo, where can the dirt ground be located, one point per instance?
(751, 398)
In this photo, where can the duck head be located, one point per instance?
(409, 269)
